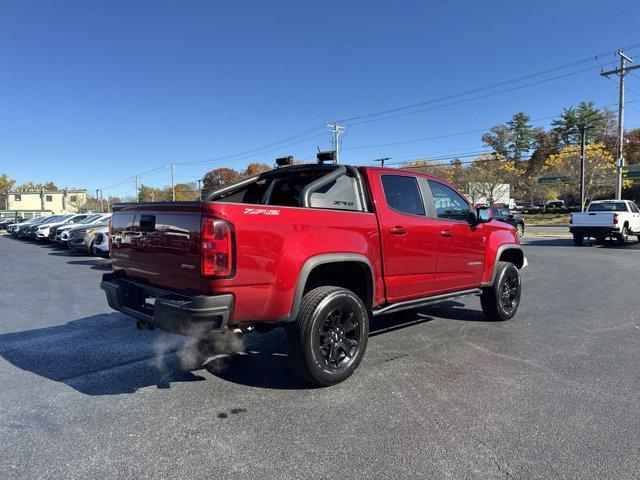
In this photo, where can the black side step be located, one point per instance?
(421, 302)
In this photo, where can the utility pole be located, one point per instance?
(622, 72)
(97, 190)
(173, 187)
(583, 135)
(200, 189)
(382, 160)
(337, 130)
(136, 181)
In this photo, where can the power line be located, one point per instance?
(494, 85)
(455, 134)
(413, 112)
(370, 116)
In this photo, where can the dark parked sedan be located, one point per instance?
(503, 214)
(9, 221)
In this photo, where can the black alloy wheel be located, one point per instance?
(338, 338)
(509, 291)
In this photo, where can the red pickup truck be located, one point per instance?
(318, 249)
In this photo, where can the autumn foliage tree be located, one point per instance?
(219, 177)
(255, 169)
(599, 170)
(6, 184)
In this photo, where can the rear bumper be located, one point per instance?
(595, 231)
(186, 315)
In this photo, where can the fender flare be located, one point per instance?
(313, 262)
(501, 249)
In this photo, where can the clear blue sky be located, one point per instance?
(94, 92)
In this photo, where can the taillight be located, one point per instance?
(615, 218)
(216, 248)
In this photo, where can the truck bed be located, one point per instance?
(158, 244)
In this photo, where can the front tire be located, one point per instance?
(327, 341)
(500, 301)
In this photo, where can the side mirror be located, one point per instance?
(484, 215)
(473, 218)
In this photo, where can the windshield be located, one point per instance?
(501, 212)
(90, 219)
(608, 207)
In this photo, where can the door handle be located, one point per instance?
(398, 230)
(446, 233)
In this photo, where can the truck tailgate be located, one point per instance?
(592, 219)
(158, 244)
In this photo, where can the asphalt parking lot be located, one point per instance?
(553, 393)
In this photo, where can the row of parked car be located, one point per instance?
(87, 232)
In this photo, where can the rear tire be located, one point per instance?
(92, 249)
(327, 341)
(500, 302)
(578, 240)
(623, 237)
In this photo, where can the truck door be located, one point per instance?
(635, 218)
(461, 247)
(408, 234)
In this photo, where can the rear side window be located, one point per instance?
(403, 194)
(634, 208)
(449, 204)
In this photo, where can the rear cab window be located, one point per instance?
(608, 207)
(402, 194)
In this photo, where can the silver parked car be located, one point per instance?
(82, 237)
(101, 242)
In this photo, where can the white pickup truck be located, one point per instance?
(606, 218)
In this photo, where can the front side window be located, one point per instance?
(403, 194)
(449, 204)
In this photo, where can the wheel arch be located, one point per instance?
(348, 270)
(510, 252)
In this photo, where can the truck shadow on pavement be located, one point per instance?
(105, 355)
(264, 362)
(98, 355)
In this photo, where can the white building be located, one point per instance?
(47, 200)
(489, 193)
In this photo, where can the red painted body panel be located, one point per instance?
(272, 244)
(271, 250)
(409, 258)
